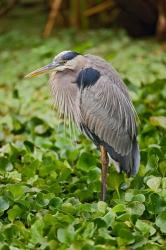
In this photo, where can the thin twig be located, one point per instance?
(52, 17)
(99, 8)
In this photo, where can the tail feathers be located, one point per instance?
(135, 157)
(128, 163)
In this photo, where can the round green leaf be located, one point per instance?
(66, 235)
(154, 183)
(14, 212)
(4, 204)
(136, 208)
(86, 162)
(145, 227)
(161, 221)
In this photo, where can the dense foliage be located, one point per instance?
(50, 179)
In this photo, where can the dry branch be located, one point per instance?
(10, 6)
(52, 17)
(99, 8)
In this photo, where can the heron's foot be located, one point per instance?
(104, 163)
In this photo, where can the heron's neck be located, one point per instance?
(64, 93)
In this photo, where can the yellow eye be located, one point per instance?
(63, 61)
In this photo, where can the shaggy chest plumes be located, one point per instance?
(64, 93)
(66, 90)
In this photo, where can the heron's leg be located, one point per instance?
(104, 168)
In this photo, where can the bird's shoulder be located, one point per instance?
(107, 70)
(87, 77)
(92, 79)
(102, 65)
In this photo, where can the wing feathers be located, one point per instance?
(109, 114)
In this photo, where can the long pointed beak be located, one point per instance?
(43, 70)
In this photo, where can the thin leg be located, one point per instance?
(104, 165)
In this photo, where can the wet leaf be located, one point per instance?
(161, 221)
(154, 183)
(4, 204)
(66, 235)
(158, 121)
(86, 162)
(145, 227)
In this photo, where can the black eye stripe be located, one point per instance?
(69, 55)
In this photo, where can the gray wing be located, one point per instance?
(109, 114)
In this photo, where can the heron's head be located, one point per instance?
(66, 60)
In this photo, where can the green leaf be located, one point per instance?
(86, 162)
(154, 183)
(114, 180)
(68, 207)
(161, 221)
(139, 197)
(158, 121)
(154, 203)
(43, 199)
(145, 227)
(36, 232)
(136, 208)
(66, 235)
(104, 233)
(162, 168)
(87, 230)
(120, 208)
(4, 204)
(17, 190)
(128, 196)
(101, 205)
(109, 218)
(5, 165)
(29, 145)
(55, 203)
(14, 212)
(5, 247)
(121, 230)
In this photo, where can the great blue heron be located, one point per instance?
(89, 91)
